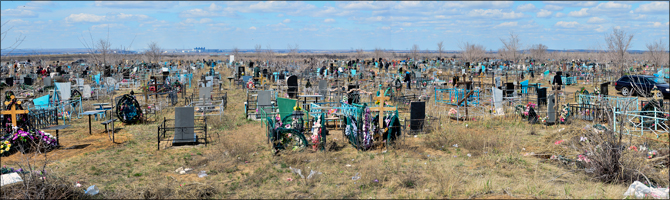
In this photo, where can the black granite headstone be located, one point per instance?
(9, 81)
(292, 84)
(353, 97)
(417, 115)
(603, 88)
(28, 80)
(184, 133)
(541, 96)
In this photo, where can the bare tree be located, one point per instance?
(618, 41)
(472, 52)
(511, 46)
(235, 51)
(440, 48)
(538, 52)
(359, 53)
(258, 50)
(270, 54)
(656, 52)
(154, 52)
(414, 52)
(14, 44)
(292, 51)
(379, 53)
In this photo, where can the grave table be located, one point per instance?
(100, 108)
(316, 98)
(56, 127)
(89, 113)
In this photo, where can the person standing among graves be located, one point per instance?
(408, 79)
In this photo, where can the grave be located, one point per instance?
(184, 127)
(292, 83)
(417, 115)
(541, 96)
(205, 94)
(551, 112)
(497, 101)
(264, 101)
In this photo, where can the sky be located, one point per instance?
(331, 25)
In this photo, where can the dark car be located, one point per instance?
(642, 84)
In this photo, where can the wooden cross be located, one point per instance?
(381, 107)
(655, 92)
(13, 112)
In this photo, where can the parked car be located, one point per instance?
(642, 84)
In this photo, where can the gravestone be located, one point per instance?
(323, 87)
(417, 115)
(551, 113)
(353, 97)
(205, 93)
(86, 92)
(497, 101)
(264, 100)
(603, 88)
(184, 132)
(9, 81)
(28, 80)
(47, 82)
(240, 71)
(292, 83)
(498, 82)
(541, 96)
(509, 89)
(64, 90)
(245, 79)
(209, 81)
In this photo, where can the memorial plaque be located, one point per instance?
(264, 100)
(47, 81)
(9, 81)
(541, 96)
(551, 113)
(28, 80)
(497, 101)
(86, 92)
(64, 90)
(292, 83)
(205, 93)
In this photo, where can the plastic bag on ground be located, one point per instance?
(640, 191)
(356, 177)
(202, 174)
(92, 190)
(312, 174)
(297, 171)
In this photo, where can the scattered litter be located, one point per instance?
(297, 171)
(78, 184)
(469, 155)
(92, 190)
(640, 190)
(558, 142)
(415, 136)
(202, 174)
(348, 165)
(10, 178)
(289, 179)
(523, 149)
(356, 177)
(455, 145)
(179, 169)
(313, 174)
(582, 139)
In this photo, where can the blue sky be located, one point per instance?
(339, 25)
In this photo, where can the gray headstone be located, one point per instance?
(497, 101)
(498, 82)
(551, 113)
(205, 93)
(184, 123)
(209, 81)
(47, 81)
(86, 92)
(323, 87)
(64, 90)
(264, 100)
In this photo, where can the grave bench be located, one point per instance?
(107, 123)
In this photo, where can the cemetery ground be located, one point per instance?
(501, 157)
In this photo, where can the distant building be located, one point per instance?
(199, 49)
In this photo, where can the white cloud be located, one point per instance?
(487, 4)
(566, 24)
(495, 13)
(611, 7)
(213, 7)
(654, 7)
(506, 24)
(657, 24)
(581, 13)
(82, 17)
(194, 21)
(553, 7)
(526, 8)
(544, 13)
(280, 15)
(122, 16)
(287, 20)
(368, 5)
(329, 20)
(252, 28)
(596, 20)
(386, 28)
(601, 29)
(22, 13)
(136, 4)
(559, 14)
(572, 3)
